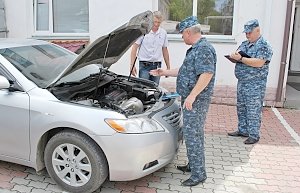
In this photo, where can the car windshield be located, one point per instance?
(41, 64)
(90, 70)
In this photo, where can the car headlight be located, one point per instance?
(135, 125)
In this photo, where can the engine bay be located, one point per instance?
(108, 90)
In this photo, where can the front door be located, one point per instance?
(14, 123)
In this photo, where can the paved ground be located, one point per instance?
(272, 165)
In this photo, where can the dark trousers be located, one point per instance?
(250, 95)
(193, 132)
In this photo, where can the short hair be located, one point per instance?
(195, 28)
(158, 15)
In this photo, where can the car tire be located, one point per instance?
(83, 169)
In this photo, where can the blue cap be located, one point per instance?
(187, 22)
(250, 25)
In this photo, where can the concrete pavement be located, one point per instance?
(272, 165)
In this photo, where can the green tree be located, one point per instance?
(205, 8)
(180, 9)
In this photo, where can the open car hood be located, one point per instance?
(108, 49)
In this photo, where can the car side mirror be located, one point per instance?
(8, 84)
(4, 83)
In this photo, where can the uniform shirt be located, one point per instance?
(260, 49)
(151, 45)
(200, 58)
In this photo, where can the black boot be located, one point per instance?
(251, 140)
(238, 134)
(185, 168)
(190, 182)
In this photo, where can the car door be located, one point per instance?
(14, 120)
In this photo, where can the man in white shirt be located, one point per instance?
(153, 46)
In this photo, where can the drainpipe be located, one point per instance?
(283, 62)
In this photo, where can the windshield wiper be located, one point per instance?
(68, 84)
(90, 76)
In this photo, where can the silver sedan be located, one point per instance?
(69, 114)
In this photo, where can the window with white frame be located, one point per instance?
(215, 16)
(61, 16)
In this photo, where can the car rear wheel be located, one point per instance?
(75, 162)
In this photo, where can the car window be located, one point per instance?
(3, 72)
(39, 63)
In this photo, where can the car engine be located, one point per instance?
(116, 92)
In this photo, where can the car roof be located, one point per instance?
(16, 42)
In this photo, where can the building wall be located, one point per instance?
(19, 18)
(108, 15)
(271, 15)
(3, 29)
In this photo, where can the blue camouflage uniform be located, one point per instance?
(251, 86)
(200, 58)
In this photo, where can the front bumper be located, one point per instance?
(132, 156)
(128, 154)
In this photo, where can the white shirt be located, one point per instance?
(152, 44)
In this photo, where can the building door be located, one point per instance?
(295, 55)
(292, 99)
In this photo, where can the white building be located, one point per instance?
(77, 22)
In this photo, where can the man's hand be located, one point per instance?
(157, 72)
(236, 56)
(188, 103)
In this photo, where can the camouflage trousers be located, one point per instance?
(250, 97)
(193, 133)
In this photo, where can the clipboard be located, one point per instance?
(243, 54)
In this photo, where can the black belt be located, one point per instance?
(146, 63)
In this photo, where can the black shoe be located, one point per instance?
(251, 140)
(190, 182)
(238, 134)
(184, 168)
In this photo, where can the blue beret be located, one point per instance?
(250, 25)
(187, 22)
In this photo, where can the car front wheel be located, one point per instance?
(75, 162)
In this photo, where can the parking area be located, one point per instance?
(272, 165)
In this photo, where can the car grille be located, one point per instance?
(174, 119)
